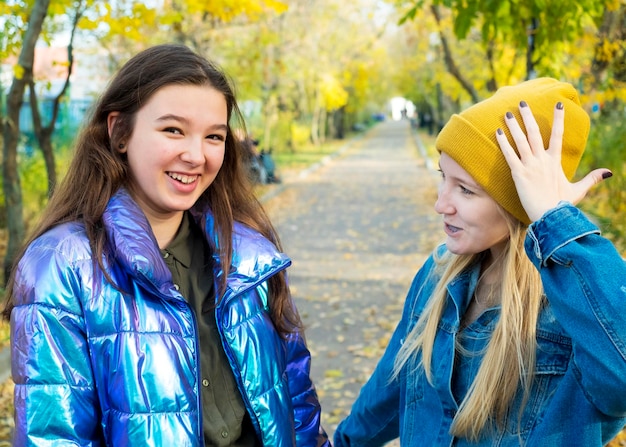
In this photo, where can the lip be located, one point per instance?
(184, 178)
(180, 187)
(451, 230)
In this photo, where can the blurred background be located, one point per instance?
(308, 74)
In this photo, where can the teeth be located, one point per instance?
(186, 179)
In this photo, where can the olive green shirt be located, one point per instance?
(224, 416)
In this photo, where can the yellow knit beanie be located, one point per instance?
(470, 137)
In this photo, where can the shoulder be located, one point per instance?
(248, 242)
(431, 269)
(254, 254)
(54, 263)
(68, 240)
(426, 279)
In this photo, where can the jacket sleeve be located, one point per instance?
(375, 416)
(55, 400)
(306, 405)
(584, 279)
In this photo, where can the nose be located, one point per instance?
(443, 204)
(193, 153)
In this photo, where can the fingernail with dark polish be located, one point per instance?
(499, 131)
(509, 115)
(559, 105)
(607, 174)
(523, 104)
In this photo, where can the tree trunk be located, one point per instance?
(315, 123)
(322, 125)
(530, 50)
(44, 133)
(339, 123)
(449, 60)
(44, 137)
(611, 30)
(270, 117)
(492, 84)
(11, 131)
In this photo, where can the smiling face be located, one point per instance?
(176, 149)
(472, 220)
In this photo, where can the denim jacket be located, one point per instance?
(578, 394)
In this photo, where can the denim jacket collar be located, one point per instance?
(460, 291)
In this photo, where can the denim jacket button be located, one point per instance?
(449, 413)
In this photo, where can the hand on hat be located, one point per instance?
(537, 172)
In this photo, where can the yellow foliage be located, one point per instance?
(58, 7)
(227, 10)
(333, 373)
(132, 25)
(620, 93)
(606, 50)
(300, 134)
(619, 440)
(333, 94)
(613, 5)
(18, 71)
(361, 79)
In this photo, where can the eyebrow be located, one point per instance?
(468, 181)
(172, 117)
(184, 120)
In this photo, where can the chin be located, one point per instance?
(460, 251)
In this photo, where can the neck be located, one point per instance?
(165, 229)
(489, 283)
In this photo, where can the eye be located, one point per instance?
(216, 137)
(173, 130)
(466, 191)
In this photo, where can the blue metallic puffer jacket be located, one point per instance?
(93, 366)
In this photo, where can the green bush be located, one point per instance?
(605, 149)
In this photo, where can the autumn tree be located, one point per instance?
(326, 61)
(539, 29)
(605, 80)
(44, 131)
(23, 73)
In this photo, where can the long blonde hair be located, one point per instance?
(509, 358)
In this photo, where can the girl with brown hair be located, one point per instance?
(150, 306)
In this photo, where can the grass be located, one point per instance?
(306, 155)
(429, 144)
(290, 163)
(4, 334)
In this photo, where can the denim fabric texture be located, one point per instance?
(577, 397)
(94, 366)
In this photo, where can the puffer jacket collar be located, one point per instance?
(254, 257)
(135, 247)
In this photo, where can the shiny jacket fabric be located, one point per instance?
(577, 397)
(97, 367)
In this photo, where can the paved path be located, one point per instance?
(357, 230)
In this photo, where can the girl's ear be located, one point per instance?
(111, 119)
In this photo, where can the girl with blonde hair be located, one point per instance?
(514, 330)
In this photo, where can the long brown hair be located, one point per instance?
(98, 169)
